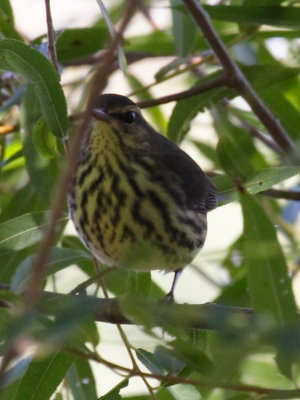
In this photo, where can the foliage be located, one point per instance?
(49, 345)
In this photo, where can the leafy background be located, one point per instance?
(54, 348)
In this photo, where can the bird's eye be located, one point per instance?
(129, 117)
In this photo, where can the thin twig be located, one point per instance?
(51, 35)
(204, 87)
(237, 81)
(282, 194)
(261, 136)
(171, 379)
(123, 334)
(6, 129)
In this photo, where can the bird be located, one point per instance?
(137, 200)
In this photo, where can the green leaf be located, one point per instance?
(18, 57)
(23, 231)
(59, 258)
(80, 42)
(184, 29)
(43, 376)
(269, 282)
(148, 43)
(272, 15)
(284, 110)
(260, 76)
(160, 362)
(81, 380)
(266, 178)
(6, 7)
(110, 26)
(14, 374)
(183, 391)
(43, 170)
(130, 283)
(7, 21)
(45, 143)
(21, 202)
(233, 161)
(114, 394)
(73, 321)
(208, 151)
(10, 262)
(150, 361)
(185, 110)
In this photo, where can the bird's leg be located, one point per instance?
(170, 295)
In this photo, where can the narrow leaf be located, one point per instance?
(23, 231)
(80, 42)
(110, 26)
(260, 76)
(114, 394)
(266, 178)
(275, 16)
(59, 258)
(269, 282)
(43, 376)
(233, 161)
(16, 56)
(81, 380)
(184, 29)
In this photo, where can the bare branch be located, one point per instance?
(51, 35)
(217, 82)
(282, 194)
(262, 137)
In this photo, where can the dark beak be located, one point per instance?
(100, 113)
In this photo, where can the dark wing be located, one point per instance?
(201, 194)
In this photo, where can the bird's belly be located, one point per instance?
(136, 234)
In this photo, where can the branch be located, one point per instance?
(197, 316)
(282, 194)
(51, 35)
(237, 81)
(262, 137)
(217, 82)
(173, 379)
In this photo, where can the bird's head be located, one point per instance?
(120, 116)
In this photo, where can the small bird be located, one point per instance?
(137, 200)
